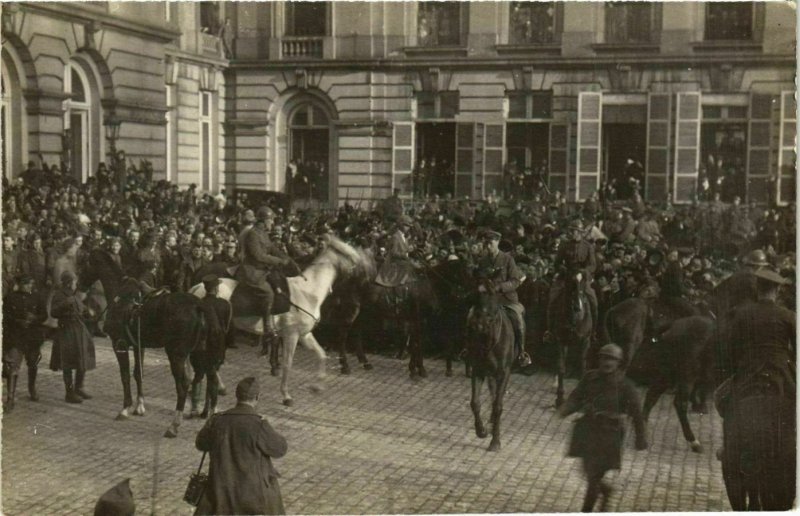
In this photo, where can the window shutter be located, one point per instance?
(787, 157)
(493, 158)
(465, 159)
(403, 157)
(687, 146)
(656, 179)
(589, 129)
(559, 157)
(759, 136)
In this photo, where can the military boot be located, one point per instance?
(79, 377)
(12, 392)
(32, 371)
(71, 395)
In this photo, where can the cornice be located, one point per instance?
(75, 12)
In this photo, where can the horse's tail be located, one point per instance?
(200, 328)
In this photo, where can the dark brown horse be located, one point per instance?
(490, 354)
(176, 322)
(571, 328)
(759, 456)
(452, 281)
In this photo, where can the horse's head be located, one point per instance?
(347, 260)
(99, 266)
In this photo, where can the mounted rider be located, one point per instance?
(398, 269)
(673, 287)
(507, 278)
(761, 345)
(260, 258)
(575, 258)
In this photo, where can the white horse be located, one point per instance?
(307, 292)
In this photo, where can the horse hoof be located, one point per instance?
(138, 412)
(204, 414)
(494, 446)
(559, 402)
(288, 402)
(121, 417)
(345, 370)
(449, 373)
(482, 433)
(170, 433)
(697, 447)
(423, 373)
(222, 391)
(191, 415)
(273, 371)
(367, 366)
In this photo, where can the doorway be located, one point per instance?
(527, 146)
(723, 154)
(434, 172)
(624, 155)
(309, 152)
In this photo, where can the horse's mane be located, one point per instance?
(360, 258)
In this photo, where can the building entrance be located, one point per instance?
(434, 171)
(624, 154)
(526, 150)
(723, 154)
(309, 155)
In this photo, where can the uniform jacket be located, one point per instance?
(34, 264)
(577, 257)
(10, 270)
(672, 281)
(72, 344)
(23, 315)
(242, 479)
(260, 255)
(760, 332)
(187, 272)
(507, 276)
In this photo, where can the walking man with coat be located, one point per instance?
(242, 444)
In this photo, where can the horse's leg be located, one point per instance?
(274, 356)
(210, 406)
(340, 336)
(561, 372)
(124, 362)
(475, 404)
(221, 389)
(289, 346)
(197, 386)
(681, 403)
(734, 484)
(416, 328)
(654, 392)
(138, 371)
(310, 342)
(177, 365)
(501, 383)
(358, 344)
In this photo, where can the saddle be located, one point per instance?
(247, 300)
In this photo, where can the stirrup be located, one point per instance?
(524, 359)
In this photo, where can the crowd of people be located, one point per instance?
(170, 237)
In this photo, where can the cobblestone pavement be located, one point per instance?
(372, 442)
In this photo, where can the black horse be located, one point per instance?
(176, 322)
(759, 456)
(571, 322)
(340, 324)
(452, 281)
(490, 354)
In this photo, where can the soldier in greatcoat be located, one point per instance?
(604, 396)
(73, 348)
(242, 444)
(23, 336)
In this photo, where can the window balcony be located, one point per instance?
(302, 47)
(209, 44)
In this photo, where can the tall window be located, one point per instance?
(532, 23)
(630, 22)
(441, 104)
(77, 122)
(307, 18)
(171, 125)
(439, 24)
(210, 17)
(530, 104)
(309, 152)
(206, 181)
(729, 20)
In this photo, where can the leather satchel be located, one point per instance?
(197, 485)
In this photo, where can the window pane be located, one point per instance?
(320, 118)
(517, 104)
(542, 104)
(439, 23)
(532, 23)
(729, 20)
(205, 101)
(449, 102)
(629, 22)
(300, 117)
(209, 17)
(78, 91)
(307, 18)
(426, 104)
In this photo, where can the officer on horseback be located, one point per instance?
(673, 287)
(260, 257)
(575, 258)
(397, 269)
(507, 278)
(762, 344)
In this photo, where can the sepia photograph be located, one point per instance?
(398, 257)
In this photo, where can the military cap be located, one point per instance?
(247, 389)
(492, 235)
(576, 224)
(771, 276)
(67, 277)
(117, 501)
(264, 213)
(611, 351)
(404, 220)
(756, 257)
(249, 216)
(210, 281)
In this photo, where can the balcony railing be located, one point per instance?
(299, 47)
(210, 44)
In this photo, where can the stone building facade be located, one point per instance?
(351, 97)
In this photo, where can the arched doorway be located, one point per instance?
(13, 123)
(309, 152)
(83, 139)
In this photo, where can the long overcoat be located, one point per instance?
(72, 344)
(242, 479)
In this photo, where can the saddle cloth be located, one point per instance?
(247, 300)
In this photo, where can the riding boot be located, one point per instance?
(71, 396)
(79, 377)
(12, 392)
(592, 492)
(270, 333)
(32, 371)
(196, 389)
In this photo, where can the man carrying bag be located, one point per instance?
(241, 477)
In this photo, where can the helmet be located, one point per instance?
(576, 224)
(756, 257)
(611, 351)
(264, 213)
